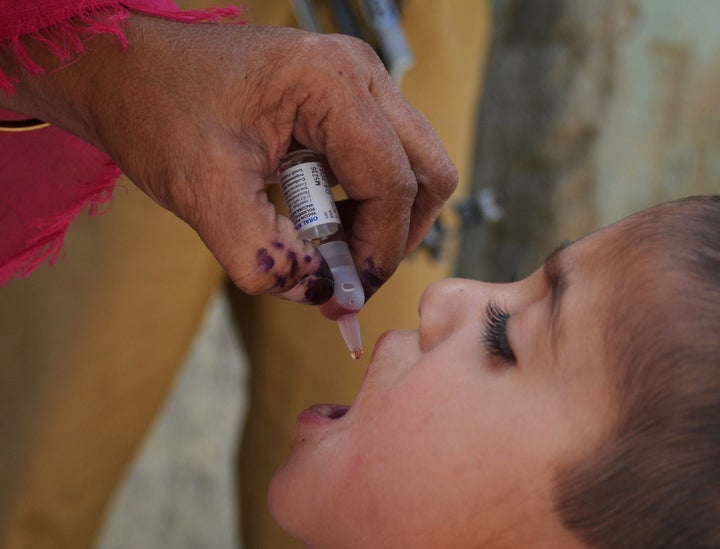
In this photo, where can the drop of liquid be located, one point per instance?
(356, 354)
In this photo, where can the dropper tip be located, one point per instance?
(350, 330)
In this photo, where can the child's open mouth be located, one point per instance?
(332, 411)
(323, 414)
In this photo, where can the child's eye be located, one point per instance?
(495, 335)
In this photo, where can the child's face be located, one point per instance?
(458, 431)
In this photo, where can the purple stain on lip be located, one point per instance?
(265, 261)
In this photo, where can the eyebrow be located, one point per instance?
(557, 282)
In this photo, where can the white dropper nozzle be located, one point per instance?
(348, 293)
(350, 330)
(306, 189)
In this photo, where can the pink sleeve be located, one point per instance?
(48, 176)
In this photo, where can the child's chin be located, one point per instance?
(278, 500)
(286, 501)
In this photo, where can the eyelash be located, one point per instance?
(495, 334)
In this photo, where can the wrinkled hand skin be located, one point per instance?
(199, 115)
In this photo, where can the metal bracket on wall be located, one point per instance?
(477, 209)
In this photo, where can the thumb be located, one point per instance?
(259, 249)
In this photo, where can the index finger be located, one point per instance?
(259, 249)
(375, 172)
(396, 168)
(434, 171)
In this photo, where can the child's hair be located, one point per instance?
(656, 481)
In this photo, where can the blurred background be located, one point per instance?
(580, 113)
(591, 110)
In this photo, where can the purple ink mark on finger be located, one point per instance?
(278, 245)
(307, 258)
(324, 271)
(280, 281)
(264, 260)
(372, 277)
(292, 256)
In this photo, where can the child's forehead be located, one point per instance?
(622, 244)
(621, 277)
(612, 268)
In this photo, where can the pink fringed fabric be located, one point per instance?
(48, 176)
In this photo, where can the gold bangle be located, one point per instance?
(25, 125)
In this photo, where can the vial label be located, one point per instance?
(308, 196)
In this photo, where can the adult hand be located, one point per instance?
(199, 115)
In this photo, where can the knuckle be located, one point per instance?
(447, 181)
(341, 54)
(405, 185)
(442, 182)
(361, 49)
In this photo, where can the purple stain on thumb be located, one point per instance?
(318, 290)
(265, 261)
(319, 287)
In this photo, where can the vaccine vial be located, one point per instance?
(308, 196)
(312, 208)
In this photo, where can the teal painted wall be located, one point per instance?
(661, 138)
